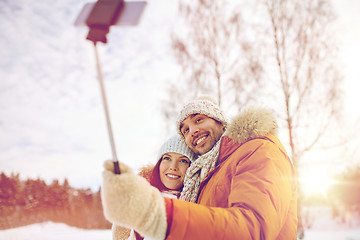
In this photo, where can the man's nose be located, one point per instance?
(193, 131)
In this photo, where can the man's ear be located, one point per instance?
(222, 125)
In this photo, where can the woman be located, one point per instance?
(167, 175)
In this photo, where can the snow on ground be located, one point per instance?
(350, 234)
(58, 231)
(53, 231)
(323, 227)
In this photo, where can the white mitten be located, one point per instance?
(120, 233)
(109, 165)
(130, 201)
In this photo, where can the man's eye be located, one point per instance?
(185, 130)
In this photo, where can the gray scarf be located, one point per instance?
(197, 172)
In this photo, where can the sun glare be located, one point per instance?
(315, 182)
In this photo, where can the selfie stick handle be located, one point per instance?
(103, 95)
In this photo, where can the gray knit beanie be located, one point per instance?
(202, 105)
(177, 145)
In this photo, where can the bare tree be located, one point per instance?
(305, 56)
(292, 50)
(216, 52)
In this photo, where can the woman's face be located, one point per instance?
(172, 170)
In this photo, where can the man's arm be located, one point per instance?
(261, 192)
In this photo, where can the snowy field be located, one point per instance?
(323, 228)
(53, 231)
(58, 231)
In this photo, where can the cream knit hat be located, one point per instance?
(202, 105)
(177, 145)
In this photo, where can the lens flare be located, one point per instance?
(315, 182)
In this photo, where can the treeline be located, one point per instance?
(345, 194)
(342, 196)
(33, 201)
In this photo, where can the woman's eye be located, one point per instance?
(185, 131)
(184, 161)
(166, 158)
(198, 120)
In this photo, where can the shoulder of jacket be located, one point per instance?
(252, 123)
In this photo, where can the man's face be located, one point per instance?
(201, 132)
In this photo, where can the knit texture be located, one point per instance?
(177, 145)
(197, 172)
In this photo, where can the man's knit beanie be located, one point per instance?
(202, 105)
(177, 145)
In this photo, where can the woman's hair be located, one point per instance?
(152, 175)
(155, 177)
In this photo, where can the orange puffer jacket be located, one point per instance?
(251, 194)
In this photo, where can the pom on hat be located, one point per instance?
(203, 105)
(209, 99)
(177, 145)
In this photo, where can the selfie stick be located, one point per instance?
(99, 17)
(108, 122)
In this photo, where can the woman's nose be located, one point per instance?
(173, 166)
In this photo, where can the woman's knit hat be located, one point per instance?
(177, 145)
(202, 105)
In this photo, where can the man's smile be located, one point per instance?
(199, 139)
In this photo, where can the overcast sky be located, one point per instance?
(52, 122)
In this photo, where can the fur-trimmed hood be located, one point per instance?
(147, 171)
(251, 123)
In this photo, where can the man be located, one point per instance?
(243, 181)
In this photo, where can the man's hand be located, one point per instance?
(130, 201)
